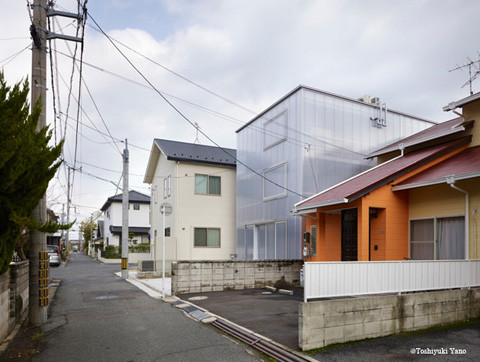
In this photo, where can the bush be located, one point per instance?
(111, 252)
(139, 248)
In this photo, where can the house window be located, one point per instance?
(136, 206)
(440, 238)
(206, 184)
(167, 188)
(155, 194)
(275, 182)
(167, 231)
(108, 214)
(207, 237)
(313, 241)
(275, 130)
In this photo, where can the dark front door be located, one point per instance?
(349, 235)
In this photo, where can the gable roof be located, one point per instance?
(439, 130)
(133, 196)
(462, 166)
(189, 152)
(192, 152)
(380, 175)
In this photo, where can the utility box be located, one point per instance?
(146, 265)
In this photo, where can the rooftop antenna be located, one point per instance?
(470, 63)
(197, 127)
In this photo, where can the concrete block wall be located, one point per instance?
(326, 322)
(4, 305)
(19, 291)
(209, 276)
(14, 297)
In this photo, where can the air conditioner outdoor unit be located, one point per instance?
(146, 265)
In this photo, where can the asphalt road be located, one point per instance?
(97, 316)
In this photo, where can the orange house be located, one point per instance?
(419, 203)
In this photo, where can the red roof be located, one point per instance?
(369, 180)
(463, 165)
(439, 130)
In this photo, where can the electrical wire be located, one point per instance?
(175, 73)
(190, 122)
(12, 57)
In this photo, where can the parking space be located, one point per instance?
(272, 315)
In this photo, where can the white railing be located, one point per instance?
(340, 279)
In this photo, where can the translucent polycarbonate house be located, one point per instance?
(304, 143)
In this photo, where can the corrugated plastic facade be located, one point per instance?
(306, 142)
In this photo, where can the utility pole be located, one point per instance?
(67, 238)
(38, 240)
(125, 213)
(39, 261)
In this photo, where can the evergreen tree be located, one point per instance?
(27, 164)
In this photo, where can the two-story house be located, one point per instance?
(138, 218)
(197, 184)
(305, 142)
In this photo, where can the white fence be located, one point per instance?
(340, 279)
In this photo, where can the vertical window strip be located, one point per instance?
(313, 241)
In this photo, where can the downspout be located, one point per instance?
(451, 182)
(475, 231)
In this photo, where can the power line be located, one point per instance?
(260, 129)
(188, 120)
(173, 72)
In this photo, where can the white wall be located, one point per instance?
(190, 211)
(136, 218)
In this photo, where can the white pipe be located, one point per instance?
(451, 182)
(475, 231)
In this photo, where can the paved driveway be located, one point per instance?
(276, 316)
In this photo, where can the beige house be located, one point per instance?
(196, 184)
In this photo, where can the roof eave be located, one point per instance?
(453, 130)
(297, 210)
(152, 163)
(436, 181)
(460, 103)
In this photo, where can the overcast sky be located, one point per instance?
(223, 61)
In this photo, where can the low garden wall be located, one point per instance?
(208, 276)
(14, 297)
(326, 322)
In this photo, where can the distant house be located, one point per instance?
(304, 143)
(53, 238)
(138, 218)
(421, 202)
(197, 184)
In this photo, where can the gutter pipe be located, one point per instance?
(451, 182)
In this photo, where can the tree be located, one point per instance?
(86, 227)
(27, 164)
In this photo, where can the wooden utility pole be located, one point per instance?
(38, 240)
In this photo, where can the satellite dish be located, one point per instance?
(166, 207)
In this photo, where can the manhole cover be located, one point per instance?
(107, 297)
(198, 298)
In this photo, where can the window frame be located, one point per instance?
(208, 185)
(284, 186)
(435, 234)
(167, 187)
(280, 137)
(207, 229)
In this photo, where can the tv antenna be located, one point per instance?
(470, 63)
(197, 141)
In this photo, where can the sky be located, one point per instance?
(220, 63)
